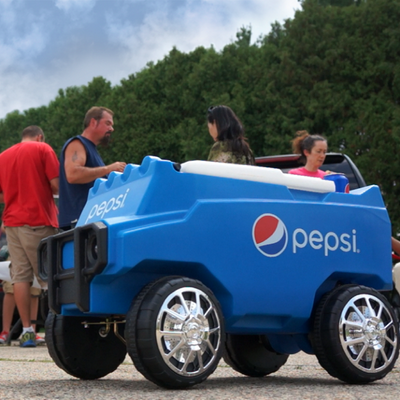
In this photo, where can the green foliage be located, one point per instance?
(66, 112)
(11, 128)
(333, 69)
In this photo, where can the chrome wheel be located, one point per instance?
(188, 331)
(175, 333)
(368, 335)
(355, 335)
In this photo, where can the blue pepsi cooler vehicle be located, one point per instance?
(182, 264)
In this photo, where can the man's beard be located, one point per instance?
(105, 140)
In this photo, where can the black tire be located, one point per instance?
(355, 335)
(393, 298)
(192, 316)
(250, 355)
(83, 352)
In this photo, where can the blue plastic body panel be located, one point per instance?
(268, 253)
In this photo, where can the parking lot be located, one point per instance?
(31, 374)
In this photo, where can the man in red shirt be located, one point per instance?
(28, 179)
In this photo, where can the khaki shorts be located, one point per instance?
(23, 242)
(8, 289)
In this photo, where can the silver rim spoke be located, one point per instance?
(368, 335)
(188, 331)
(175, 314)
(175, 350)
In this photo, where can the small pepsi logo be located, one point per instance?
(270, 235)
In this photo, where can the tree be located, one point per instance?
(333, 69)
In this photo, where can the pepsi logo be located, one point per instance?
(270, 235)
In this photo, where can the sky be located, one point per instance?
(47, 45)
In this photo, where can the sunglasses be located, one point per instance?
(210, 109)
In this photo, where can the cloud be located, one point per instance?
(48, 45)
(31, 44)
(5, 3)
(260, 14)
(7, 16)
(75, 5)
(193, 24)
(23, 91)
(21, 38)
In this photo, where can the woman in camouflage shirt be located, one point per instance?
(230, 143)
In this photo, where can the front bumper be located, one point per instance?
(68, 262)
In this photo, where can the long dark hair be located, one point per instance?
(230, 131)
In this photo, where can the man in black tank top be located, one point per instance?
(81, 164)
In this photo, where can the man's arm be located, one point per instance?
(54, 183)
(74, 164)
(395, 245)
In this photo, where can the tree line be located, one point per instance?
(334, 69)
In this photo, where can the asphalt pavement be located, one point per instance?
(31, 374)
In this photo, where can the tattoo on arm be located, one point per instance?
(75, 157)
